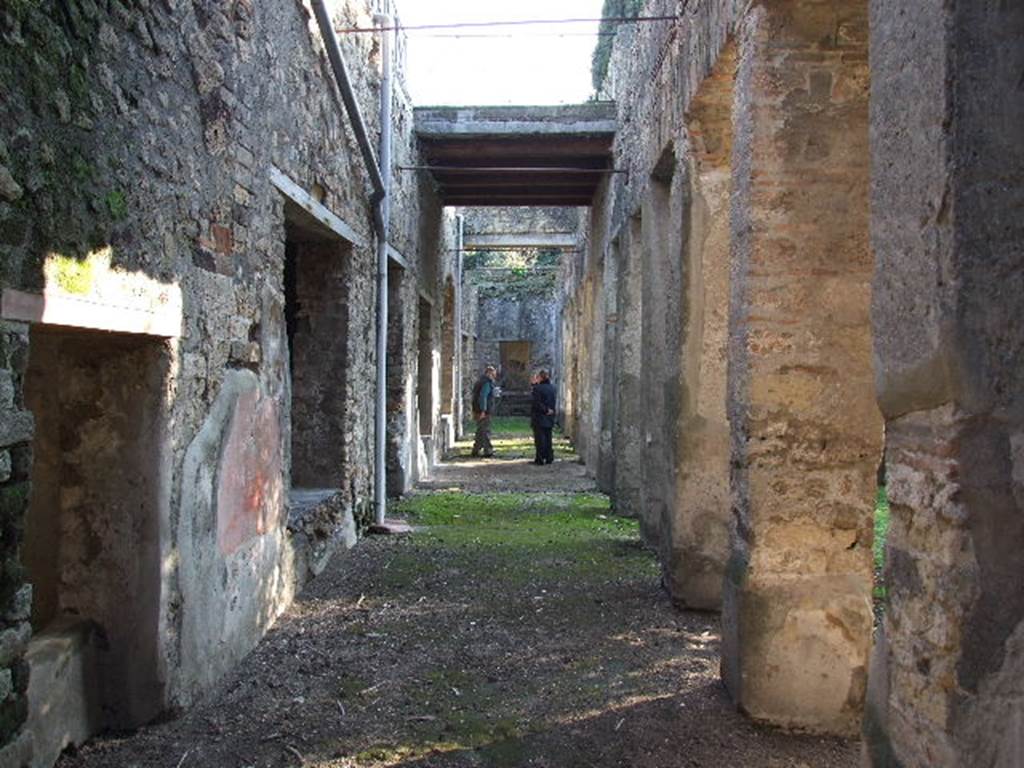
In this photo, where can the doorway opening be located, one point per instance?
(92, 547)
(316, 317)
(425, 377)
(515, 365)
(448, 331)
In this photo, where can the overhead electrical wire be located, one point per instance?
(491, 35)
(511, 23)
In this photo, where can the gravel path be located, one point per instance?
(512, 629)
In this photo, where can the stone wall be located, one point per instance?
(141, 163)
(658, 439)
(764, 108)
(948, 235)
(806, 433)
(737, 244)
(512, 309)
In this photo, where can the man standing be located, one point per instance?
(483, 407)
(543, 418)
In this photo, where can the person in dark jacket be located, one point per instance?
(542, 418)
(483, 409)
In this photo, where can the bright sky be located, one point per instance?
(512, 65)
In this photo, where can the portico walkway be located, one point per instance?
(514, 628)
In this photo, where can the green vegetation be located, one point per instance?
(578, 530)
(603, 51)
(511, 425)
(517, 447)
(520, 259)
(881, 535)
(529, 546)
(71, 274)
(881, 527)
(117, 205)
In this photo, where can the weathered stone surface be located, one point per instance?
(15, 427)
(744, 132)
(947, 233)
(10, 190)
(137, 154)
(64, 692)
(18, 751)
(806, 433)
(13, 642)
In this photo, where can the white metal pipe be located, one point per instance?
(383, 222)
(460, 240)
(355, 115)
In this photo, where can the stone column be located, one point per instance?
(609, 370)
(627, 441)
(947, 122)
(702, 509)
(662, 287)
(805, 431)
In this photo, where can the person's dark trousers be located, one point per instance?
(546, 452)
(538, 442)
(482, 441)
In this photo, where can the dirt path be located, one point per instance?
(513, 629)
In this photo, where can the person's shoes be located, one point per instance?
(538, 462)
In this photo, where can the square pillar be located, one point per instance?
(947, 125)
(806, 435)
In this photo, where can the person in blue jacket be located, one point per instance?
(542, 418)
(483, 409)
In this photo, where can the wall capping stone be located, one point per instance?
(158, 316)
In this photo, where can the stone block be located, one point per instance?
(796, 651)
(20, 606)
(63, 702)
(13, 642)
(7, 391)
(5, 466)
(246, 352)
(6, 684)
(15, 427)
(13, 506)
(10, 190)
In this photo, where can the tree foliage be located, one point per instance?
(603, 49)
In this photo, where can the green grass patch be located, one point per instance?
(529, 536)
(504, 425)
(511, 446)
(881, 527)
(881, 535)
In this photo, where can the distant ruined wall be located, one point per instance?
(136, 156)
(509, 312)
(513, 303)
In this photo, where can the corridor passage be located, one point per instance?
(522, 624)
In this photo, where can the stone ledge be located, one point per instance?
(148, 318)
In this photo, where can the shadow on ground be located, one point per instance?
(512, 629)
